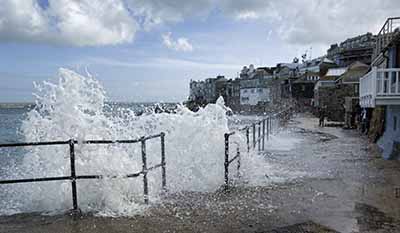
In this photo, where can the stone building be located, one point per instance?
(255, 90)
(207, 91)
(349, 83)
(318, 65)
(327, 95)
(286, 73)
(359, 48)
(254, 87)
(338, 91)
(303, 89)
(232, 98)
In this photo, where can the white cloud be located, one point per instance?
(105, 22)
(247, 15)
(316, 21)
(21, 19)
(301, 22)
(181, 44)
(72, 22)
(155, 12)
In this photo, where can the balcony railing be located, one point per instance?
(380, 87)
(389, 30)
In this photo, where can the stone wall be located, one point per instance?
(377, 124)
(334, 99)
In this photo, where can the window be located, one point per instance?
(394, 123)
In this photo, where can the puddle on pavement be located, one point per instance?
(306, 227)
(321, 136)
(370, 218)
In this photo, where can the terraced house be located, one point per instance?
(380, 90)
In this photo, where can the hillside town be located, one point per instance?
(356, 85)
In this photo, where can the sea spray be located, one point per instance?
(74, 108)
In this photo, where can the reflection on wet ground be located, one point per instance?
(333, 181)
(372, 219)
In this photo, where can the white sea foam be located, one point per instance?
(74, 108)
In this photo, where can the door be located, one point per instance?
(397, 59)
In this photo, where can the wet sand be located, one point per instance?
(341, 184)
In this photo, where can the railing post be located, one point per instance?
(144, 170)
(163, 164)
(238, 161)
(390, 76)
(73, 174)
(263, 134)
(383, 82)
(248, 139)
(259, 136)
(397, 82)
(268, 119)
(270, 125)
(254, 136)
(226, 163)
(375, 84)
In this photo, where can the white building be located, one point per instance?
(380, 89)
(253, 96)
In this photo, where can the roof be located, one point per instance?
(355, 71)
(266, 69)
(303, 77)
(358, 65)
(289, 65)
(326, 60)
(336, 71)
(333, 73)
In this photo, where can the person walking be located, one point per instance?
(364, 128)
(321, 116)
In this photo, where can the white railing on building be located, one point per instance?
(379, 84)
(367, 89)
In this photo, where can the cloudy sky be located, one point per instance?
(148, 50)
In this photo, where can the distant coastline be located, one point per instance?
(19, 105)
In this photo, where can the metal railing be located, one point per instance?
(73, 177)
(228, 161)
(260, 132)
(389, 30)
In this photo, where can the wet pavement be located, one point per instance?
(334, 181)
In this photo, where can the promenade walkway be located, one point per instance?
(332, 180)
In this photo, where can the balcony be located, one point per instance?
(380, 87)
(389, 31)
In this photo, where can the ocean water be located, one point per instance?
(12, 117)
(75, 107)
(10, 122)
